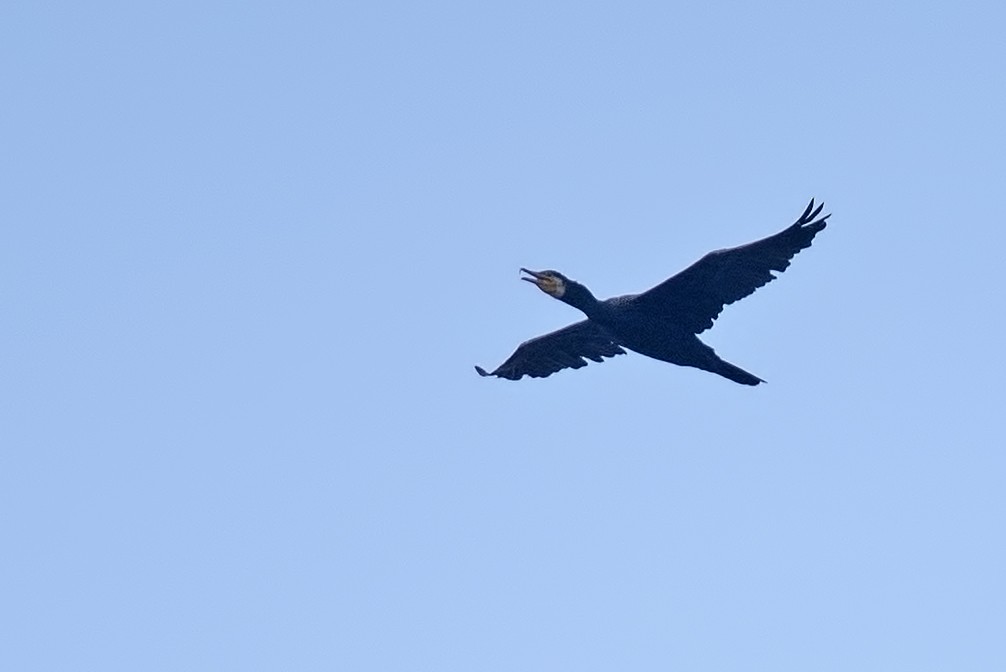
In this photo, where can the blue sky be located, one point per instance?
(252, 251)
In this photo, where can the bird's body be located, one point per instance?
(663, 322)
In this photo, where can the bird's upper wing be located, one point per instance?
(695, 297)
(565, 348)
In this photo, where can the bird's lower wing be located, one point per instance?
(696, 296)
(567, 348)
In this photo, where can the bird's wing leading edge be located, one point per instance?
(568, 347)
(696, 296)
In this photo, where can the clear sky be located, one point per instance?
(251, 252)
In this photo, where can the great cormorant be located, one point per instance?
(662, 322)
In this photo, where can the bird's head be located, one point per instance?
(570, 292)
(552, 283)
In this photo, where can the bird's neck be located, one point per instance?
(580, 297)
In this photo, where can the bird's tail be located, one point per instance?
(734, 373)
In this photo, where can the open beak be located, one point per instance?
(535, 276)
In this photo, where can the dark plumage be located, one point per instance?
(664, 321)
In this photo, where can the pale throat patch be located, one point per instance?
(556, 288)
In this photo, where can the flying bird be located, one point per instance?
(662, 322)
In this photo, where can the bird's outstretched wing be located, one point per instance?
(696, 296)
(566, 348)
